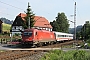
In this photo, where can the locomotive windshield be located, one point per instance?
(27, 33)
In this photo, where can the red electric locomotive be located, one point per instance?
(35, 36)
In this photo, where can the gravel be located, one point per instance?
(33, 57)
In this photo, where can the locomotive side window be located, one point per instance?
(36, 33)
(27, 34)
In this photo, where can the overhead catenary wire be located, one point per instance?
(11, 5)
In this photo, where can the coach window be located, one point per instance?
(63, 35)
(67, 36)
(59, 35)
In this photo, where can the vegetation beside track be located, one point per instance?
(88, 43)
(4, 38)
(69, 55)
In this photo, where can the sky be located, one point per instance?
(48, 9)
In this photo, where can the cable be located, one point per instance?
(10, 5)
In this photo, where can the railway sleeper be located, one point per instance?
(3, 53)
(5, 58)
(14, 55)
(23, 54)
(11, 57)
(6, 52)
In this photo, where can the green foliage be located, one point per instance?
(6, 27)
(88, 41)
(85, 31)
(61, 23)
(17, 34)
(69, 55)
(30, 16)
(79, 55)
(55, 26)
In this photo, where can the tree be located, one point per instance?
(61, 23)
(30, 16)
(85, 31)
(55, 25)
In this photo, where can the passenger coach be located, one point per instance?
(63, 36)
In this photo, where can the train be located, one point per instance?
(38, 37)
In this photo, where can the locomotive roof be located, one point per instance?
(37, 30)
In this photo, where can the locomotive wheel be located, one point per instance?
(39, 44)
(57, 42)
(35, 46)
(45, 43)
(52, 43)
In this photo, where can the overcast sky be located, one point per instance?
(47, 8)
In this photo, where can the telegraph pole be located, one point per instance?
(75, 21)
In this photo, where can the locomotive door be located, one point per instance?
(36, 36)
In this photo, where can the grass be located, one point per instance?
(68, 46)
(6, 27)
(69, 55)
(2, 51)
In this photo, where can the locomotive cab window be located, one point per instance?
(27, 34)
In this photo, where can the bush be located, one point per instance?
(70, 55)
(79, 55)
(88, 41)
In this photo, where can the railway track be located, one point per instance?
(16, 54)
(25, 54)
(54, 45)
(60, 44)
